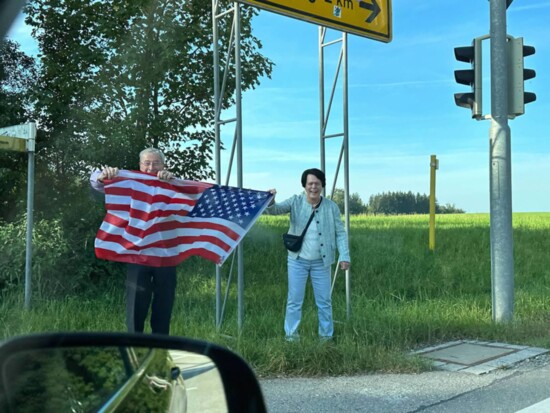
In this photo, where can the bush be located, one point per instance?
(48, 246)
(63, 261)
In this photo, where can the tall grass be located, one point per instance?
(403, 296)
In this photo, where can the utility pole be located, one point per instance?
(508, 99)
(502, 261)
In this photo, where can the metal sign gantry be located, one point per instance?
(232, 49)
(292, 9)
(325, 116)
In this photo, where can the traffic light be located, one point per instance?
(517, 75)
(472, 77)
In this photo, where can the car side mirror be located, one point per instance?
(118, 372)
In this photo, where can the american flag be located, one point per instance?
(158, 223)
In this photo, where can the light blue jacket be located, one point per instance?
(331, 229)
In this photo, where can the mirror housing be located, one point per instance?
(62, 364)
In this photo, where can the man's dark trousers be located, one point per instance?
(143, 285)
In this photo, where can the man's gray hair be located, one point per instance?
(154, 151)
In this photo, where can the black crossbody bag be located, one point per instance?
(294, 242)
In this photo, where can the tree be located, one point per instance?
(17, 73)
(393, 203)
(120, 76)
(117, 76)
(448, 209)
(355, 205)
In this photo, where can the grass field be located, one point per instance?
(403, 297)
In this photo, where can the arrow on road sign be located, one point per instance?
(374, 8)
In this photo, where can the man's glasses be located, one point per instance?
(149, 163)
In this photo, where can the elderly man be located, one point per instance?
(146, 286)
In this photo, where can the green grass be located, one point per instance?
(403, 297)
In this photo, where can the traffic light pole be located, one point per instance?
(502, 261)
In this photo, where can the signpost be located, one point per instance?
(434, 166)
(367, 18)
(20, 138)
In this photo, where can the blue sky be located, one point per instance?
(401, 107)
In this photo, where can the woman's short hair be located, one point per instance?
(320, 175)
(154, 151)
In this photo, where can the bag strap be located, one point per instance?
(311, 218)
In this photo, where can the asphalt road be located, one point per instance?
(205, 392)
(508, 391)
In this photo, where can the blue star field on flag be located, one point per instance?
(237, 205)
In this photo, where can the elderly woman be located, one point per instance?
(324, 235)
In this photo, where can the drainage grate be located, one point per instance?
(478, 357)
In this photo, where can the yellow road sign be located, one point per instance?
(367, 18)
(9, 143)
(18, 138)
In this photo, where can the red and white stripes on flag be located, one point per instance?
(158, 223)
